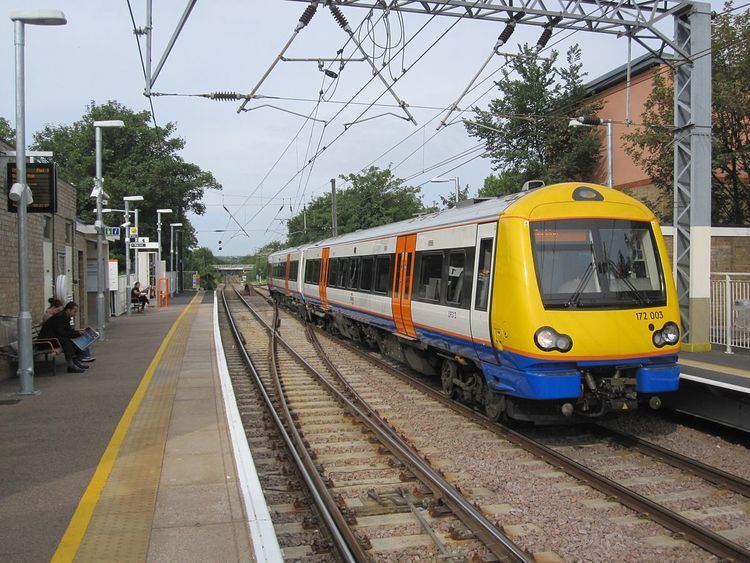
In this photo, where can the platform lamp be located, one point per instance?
(454, 179)
(127, 199)
(159, 213)
(172, 227)
(21, 194)
(593, 121)
(98, 224)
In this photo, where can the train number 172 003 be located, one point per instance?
(648, 315)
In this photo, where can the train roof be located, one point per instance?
(469, 211)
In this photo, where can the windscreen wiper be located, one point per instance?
(638, 295)
(575, 298)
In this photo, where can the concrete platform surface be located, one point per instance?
(129, 461)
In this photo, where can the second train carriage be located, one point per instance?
(554, 301)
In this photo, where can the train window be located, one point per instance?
(368, 269)
(382, 271)
(316, 272)
(397, 276)
(353, 282)
(293, 270)
(430, 276)
(333, 272)
(343, 273)
(483, 274)
(456, 278)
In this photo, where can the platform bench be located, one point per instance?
(43, 348)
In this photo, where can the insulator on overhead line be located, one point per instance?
(330, 74)
(225, 96)
(589, 120)
(307, 15)
(339, 17)
(507, 32)
(544, 38)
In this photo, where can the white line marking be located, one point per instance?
(715, 383)
(259, 524)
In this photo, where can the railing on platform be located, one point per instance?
(730, 310)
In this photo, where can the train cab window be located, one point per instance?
(382, 271)
(483, 275)
(430, 276)
(458, 278)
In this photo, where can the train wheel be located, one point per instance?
(448, 373)
(494, 405)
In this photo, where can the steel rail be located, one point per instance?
(500, 545)
(692, 531)
(319, 492)
(714, 475)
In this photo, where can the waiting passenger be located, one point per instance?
(55, 306)
(138, 296)
(58, 326)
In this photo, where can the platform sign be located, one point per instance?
(145, 245)
(144, 239)
(113, 275)
(112, 231)
(133, 232)
(42, 179)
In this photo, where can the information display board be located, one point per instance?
(42, 179)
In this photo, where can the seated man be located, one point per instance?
(58, 326)
(138, 296)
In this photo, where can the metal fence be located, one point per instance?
(730, 310)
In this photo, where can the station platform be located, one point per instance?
(714, 386)
(132, 460)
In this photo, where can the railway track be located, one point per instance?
(376, 493)
(714, 480)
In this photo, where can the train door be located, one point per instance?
(481, 332)
(403, 278)
(323, 281)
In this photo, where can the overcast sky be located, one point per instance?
(227, 46)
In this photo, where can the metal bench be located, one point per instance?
(43, 348)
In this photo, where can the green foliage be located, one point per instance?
(201, 260)
(258, 259)
(375, 197)
(652, 145)
(136, 160)
(7, 133)
(449, 202)
(526, 130)
(505, 183)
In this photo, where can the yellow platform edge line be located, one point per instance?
(73, 536)
(715, 367)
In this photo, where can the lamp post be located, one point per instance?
(593, 121)
(171, 252)
(159, 213)
(99, 189)
(21, 194)
(439, 179)
(127, 199)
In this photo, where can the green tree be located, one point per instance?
(376, 197)
(259, 258)
(7, 133)
(137, 160)
(505, 183)
(526, 129)
(652, 145)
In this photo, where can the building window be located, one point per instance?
(47, 227)
(68, 232)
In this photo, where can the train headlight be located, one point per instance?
(668, 335)
(548, 339)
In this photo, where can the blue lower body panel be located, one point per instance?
(529, 384)
(657, 379)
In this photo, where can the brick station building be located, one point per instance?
(58, 245)
(730, 246)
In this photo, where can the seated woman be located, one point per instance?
(138, 296)
(55, 306)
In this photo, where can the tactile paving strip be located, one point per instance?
(120, 527)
